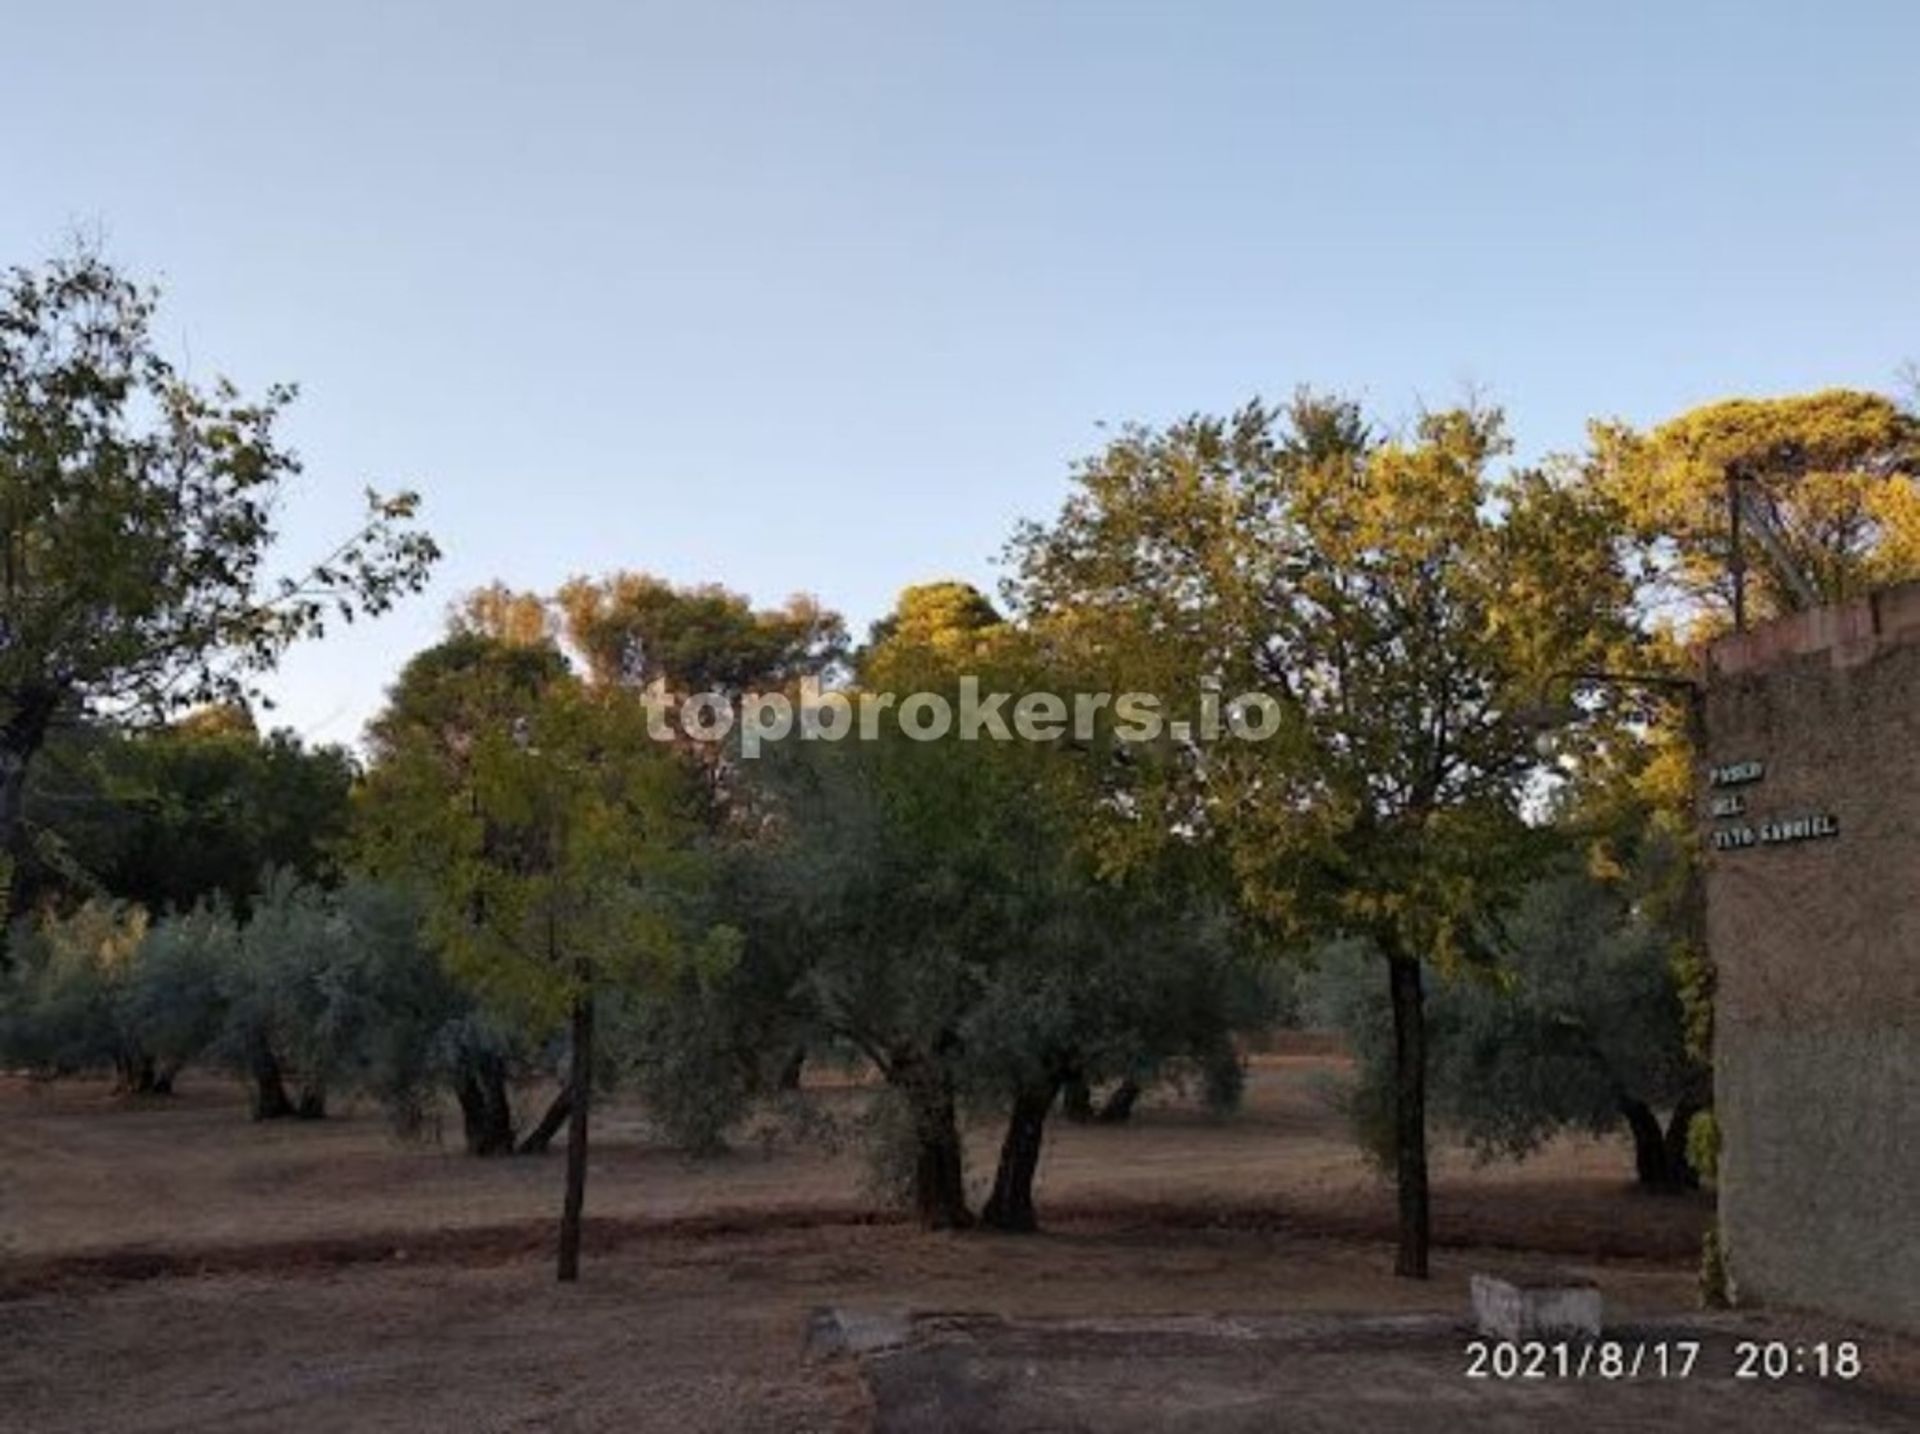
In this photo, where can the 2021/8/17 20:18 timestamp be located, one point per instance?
(1779, 1359)
(1752, 1359)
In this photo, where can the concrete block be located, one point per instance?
(1548, 1305)
(832, 1332)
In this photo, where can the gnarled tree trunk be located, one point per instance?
(1649, 1142)
(270, 1099)
(1660, 1156)
(541, 1136)
(486, 1114)
(939, 1166)
(939, 1171)
(1117, 1109)
(1010, 1207)
(1410, 1114)
(136, 1074)
(1076, 1098)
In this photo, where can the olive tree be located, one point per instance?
(67, 1004)
(1123, 978)
(1579, 1026)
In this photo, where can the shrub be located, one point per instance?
(70, 1002)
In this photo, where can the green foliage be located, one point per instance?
(889, 1140)
(1581, 1012)
(1833, 471)
(454, 691)
(408, 1032)
(1343, 992)
(945, 618)
(172, 816)
(137, 515)
(632, 628)
(899, 872)
(1122, 979)
(175, 999)
(1403, 609)
(1716, 1281)
(68, 996)
(334, 988)
(551, 843)
(941, 905)
(1703, 1144)
(682, 1051)
(297, 986)
(1694, 978)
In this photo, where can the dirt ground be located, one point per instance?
(1332, 1374)
(171, 1265)
(83, 1173)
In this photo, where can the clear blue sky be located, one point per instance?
(824, 296)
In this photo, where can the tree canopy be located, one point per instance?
(1403, 609)
(556, 854)
(172, 815)
(137, 521)
(1832, 474)
(633, 629)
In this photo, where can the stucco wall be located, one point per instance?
(1817, 944)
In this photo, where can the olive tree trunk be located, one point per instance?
(1076, 1098)
(270, 1098)
(136, 1073)
(1679, 1128)
(939, 1165)
(939, 1171)
(486, 1112)
(542, 1134)
(1010, 1206)
(1660, 1156)
(1117, 1108)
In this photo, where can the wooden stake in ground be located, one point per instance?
(1410, 1115)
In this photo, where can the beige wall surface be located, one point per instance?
(1813, 919)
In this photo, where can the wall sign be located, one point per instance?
(1775, 831)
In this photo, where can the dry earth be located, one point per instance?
(85, 1173)
(170, 1265)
